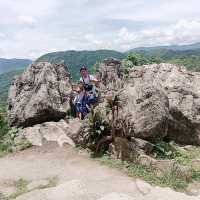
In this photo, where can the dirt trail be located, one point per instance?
(77, 177)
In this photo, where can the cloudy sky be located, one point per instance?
(30, 28)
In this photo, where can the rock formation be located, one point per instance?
(111, 73)
(147, 110)
(39, 95)
(182, 89)
(157, 101)
(62, 132)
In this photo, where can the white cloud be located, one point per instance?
(26, 20)
(182, 32)
(2, 35)
(34, 27)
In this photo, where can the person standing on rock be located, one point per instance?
(89, 84)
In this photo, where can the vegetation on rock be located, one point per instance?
(8, 137)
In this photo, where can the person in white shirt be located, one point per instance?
(89, 82)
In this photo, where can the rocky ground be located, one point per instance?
(50, 172)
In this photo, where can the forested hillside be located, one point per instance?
(7, 65)
(75, 59)
(187, 55)
(5, 80)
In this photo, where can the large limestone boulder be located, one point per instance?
(182, 88)
(146, 108)
(62, 132)
(158, 100)
(40, 94)
(111, 72)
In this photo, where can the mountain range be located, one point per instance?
(188, 55)
(7, 65)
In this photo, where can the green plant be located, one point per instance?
(164, 179)
(164, 150)
(99, 128)
(4, 128)
(8, 137)
(21, 188)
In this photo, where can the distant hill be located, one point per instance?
(187, 55)
(7, 65)
(75, 59)
(170, 47)
(5, 80)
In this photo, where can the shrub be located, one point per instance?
(95, 129)
(8, 137)
(164, 150)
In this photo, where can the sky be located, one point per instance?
(31, 28)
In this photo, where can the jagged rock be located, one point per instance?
(143, 146)
(130, 150)
(146, 108)
(144, 187)
(146, 161)
(40, 94)
(61, 132)
(111, 74)
(124, 149)
(182, 172)
(182, 129)
(182, 88)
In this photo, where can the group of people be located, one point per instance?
(87, 95)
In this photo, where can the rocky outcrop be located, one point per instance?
(39, 95)
(147, 110)
(182, 88)
(62, 132)
(111, 72)
(158, 100)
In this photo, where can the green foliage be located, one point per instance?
(76, 59)
(137, 59)
(98, 127)
(4, 128)
(191, 62)
(5, 81)
(95, 68)
(165, 179)
(21, 188)
(186, 56)
(140, 59)
(8, 135)
(8, 65)
(164, 150)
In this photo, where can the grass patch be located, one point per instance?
(21, 188)
(165, 179)
(9, 142)
(8, 137)
(164, 150)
